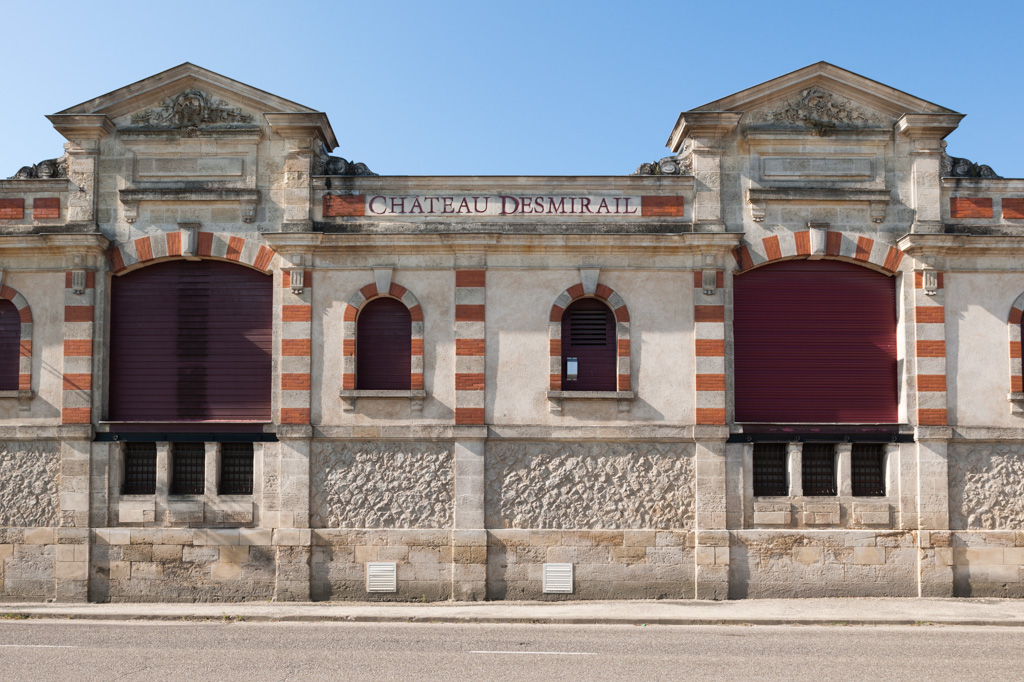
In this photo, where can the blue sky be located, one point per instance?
(525, 87)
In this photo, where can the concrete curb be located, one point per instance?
(800, 612)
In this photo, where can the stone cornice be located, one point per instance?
(511, 184)
(82, 126)
(304, 125)
(713, 124)
(928, 126)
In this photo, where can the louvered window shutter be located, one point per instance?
(191, 341)
(588, 335)
(384, 346)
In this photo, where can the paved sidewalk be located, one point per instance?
(892, 611)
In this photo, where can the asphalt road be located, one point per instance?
(81, 650)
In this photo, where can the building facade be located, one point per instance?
(783, 361)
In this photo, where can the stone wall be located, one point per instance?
(986, 486)
(590, 485)
(185, 565)
(382, 485)
(37, 564)
(822, 564)
(608, 564)
(29, 473)
(985, 564)
(423, 558)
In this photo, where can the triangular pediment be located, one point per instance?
(864, 92)
(822, 98)
(182, 97)
(153, 91)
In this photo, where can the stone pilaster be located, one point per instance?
(469, 539)
(925, 133)
(935, 568)
(296, 342)
(702, 134)
(712, 538)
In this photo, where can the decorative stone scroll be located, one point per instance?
(324, 164)
(670, 165)
(44, 170)
(959, 167)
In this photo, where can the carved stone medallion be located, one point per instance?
(822, 111)
(189, 111)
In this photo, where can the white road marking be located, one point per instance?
(38, 646)
(539, 653)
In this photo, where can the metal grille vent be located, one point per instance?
(139, 469)
(557, 578)
(770, 469)
(189, 472)
(381, 576)
(819, 469)
(589, 327)
(867, 468)
(236, 469)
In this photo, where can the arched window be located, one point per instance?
(815, 342)
(384, 346)
(589, 356)
(10, 344)
(191, 341)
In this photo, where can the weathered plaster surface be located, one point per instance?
(28, 483)
(986, 486)
(382, 485)
(590, 485)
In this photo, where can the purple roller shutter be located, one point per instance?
(384, 346)
(588, 334)
(191, 341)
(10, 345)
(815, 342)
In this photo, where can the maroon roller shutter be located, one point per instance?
(384, 346)
(191, 341)
(588, 334)
(10, 345)
(815, 341)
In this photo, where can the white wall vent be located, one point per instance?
(381, 576)
(557, 578)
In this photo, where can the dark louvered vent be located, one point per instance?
(384, 346)
(10, 345)
(770, 469)
(589, 327)
(588, 335)
(189, 471)
(236, 468)
(191, 341)
(867, 467)
(139, 469)
(819, 469)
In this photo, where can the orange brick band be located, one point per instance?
(470, 346)
(709, 344)
(970, 207)
(76, 380)
(930, 347)
(798, 244)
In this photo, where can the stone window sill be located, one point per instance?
(555, 398)
(18, 394)
(349, 397)
(1016, 403)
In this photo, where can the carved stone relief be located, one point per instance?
(820, 110)
(189, 111)
(49, 168)
(986, 486)
(382, 485)
(589, 485)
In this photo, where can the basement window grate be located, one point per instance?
(819, 469)
(770, 469)
(236, 469)
(189, 471)
(139, 469)
(867, 469)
